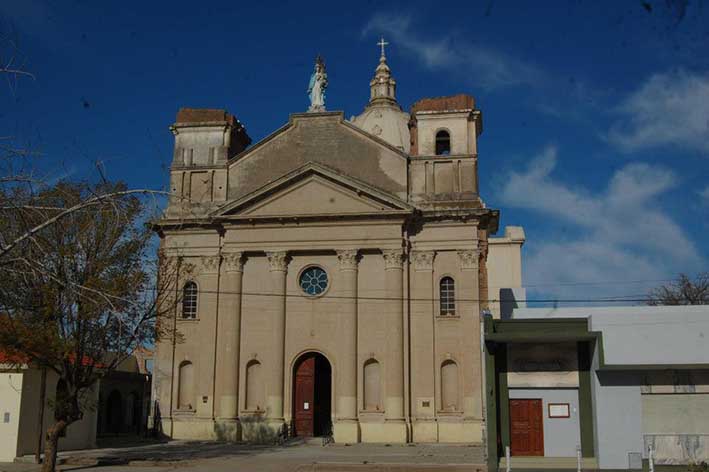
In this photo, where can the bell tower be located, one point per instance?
(444, 137)
(205, 139)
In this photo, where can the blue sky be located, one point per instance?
(596, 113)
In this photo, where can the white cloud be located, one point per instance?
(704, 195)
(487, 67)
(670, 109)
(624, 234)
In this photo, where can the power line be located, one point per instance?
(611, 299)
(608, 282)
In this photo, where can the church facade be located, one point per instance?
(339, 269)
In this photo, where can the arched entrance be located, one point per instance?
(312, 393)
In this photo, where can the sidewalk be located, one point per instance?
(295, 456)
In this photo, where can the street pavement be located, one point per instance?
(295, 456)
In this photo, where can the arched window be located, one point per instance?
(443, 143)
(372, 385)
(449, 386)
(254, 386)
(185, 386)
(447, 296)
(189, 300)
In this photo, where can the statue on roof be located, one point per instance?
(317, 86)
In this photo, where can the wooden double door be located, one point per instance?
(312, 390)
(526, 427)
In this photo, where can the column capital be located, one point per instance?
(469, 259)
(347, 258)
(210, 264)
(234, 261)
(422, 260)
(277, 261)
(393, 258)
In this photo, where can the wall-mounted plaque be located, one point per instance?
(559, 410)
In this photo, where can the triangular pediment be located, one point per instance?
(319, 138)
(311, 191)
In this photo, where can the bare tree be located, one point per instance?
(12, 61)
(683, 291)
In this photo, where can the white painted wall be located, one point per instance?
(10, 401)
(634, 336)
(642, 335)
(79, 435)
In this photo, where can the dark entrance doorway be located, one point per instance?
(312, 389)
(526, 427)
(114, 412)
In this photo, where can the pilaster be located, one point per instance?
(228, 345)
(346, 427)
(422, 332)
(394, 312)
(278, 267)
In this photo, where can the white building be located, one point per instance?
(614, 381)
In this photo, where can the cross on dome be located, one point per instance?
(382, 43)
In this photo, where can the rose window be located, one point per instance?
(313, 280)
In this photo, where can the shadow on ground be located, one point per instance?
(172, 451)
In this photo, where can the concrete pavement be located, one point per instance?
(295, 456)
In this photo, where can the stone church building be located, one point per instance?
(339, 272)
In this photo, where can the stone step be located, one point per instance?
(544, 463)
(382, 467)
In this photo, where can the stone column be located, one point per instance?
(228, 340)
(422, 331)
(346, 428)
(278, 266)
(394, 368)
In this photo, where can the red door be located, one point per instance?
(526, 427)
(304, 396)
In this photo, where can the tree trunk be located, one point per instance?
(51, 444)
